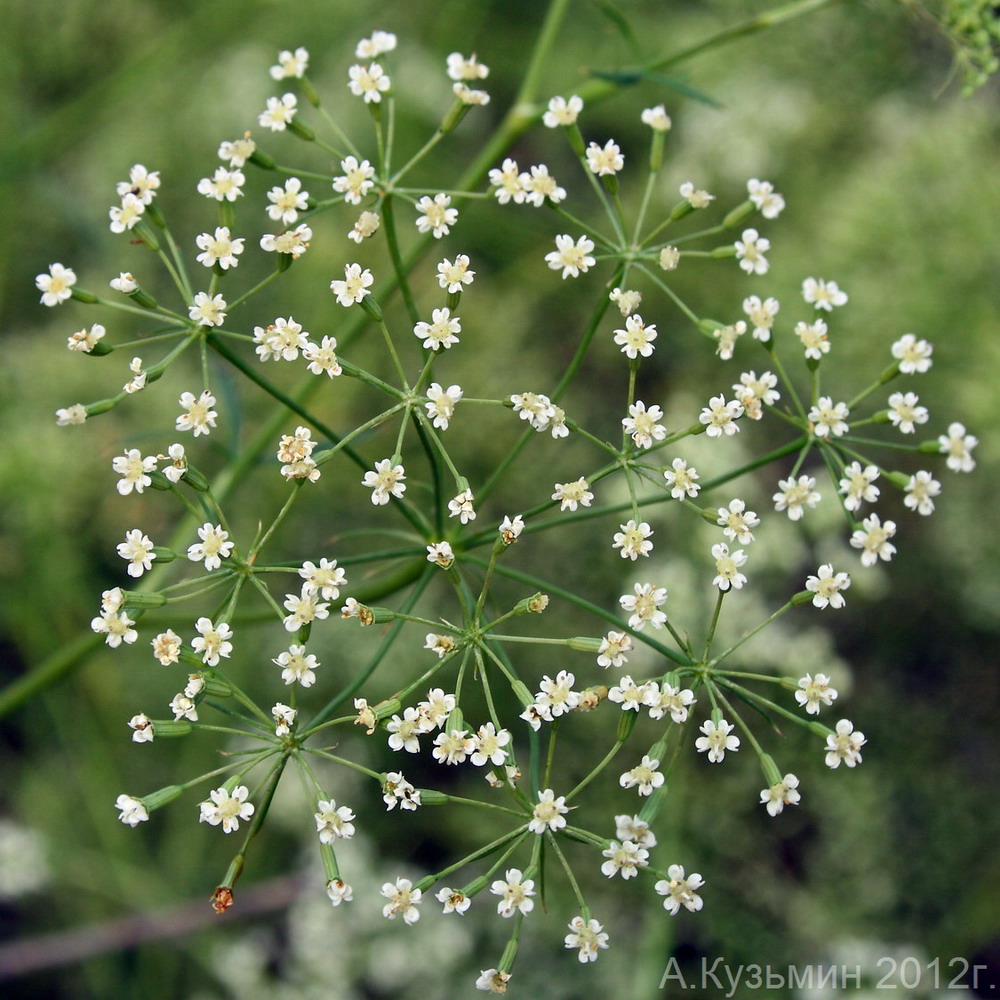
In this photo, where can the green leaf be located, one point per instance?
(613, 14)
(630, 77)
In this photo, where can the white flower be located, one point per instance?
(637, 338)
(213, 642)
(386, 480)
(920, 492)
(627, 300)
(142, 184)
(167, 647)
(142, 729)
(56, 286)
(815, 692)
(284, 718)
(516, 892)
(461, 507)
(914, 355)
(356, 181)
(287, 201)
(905, 413)
(656, 118)
(829, 419)
(138, 380)
(681, 480)
(297, 666)
(669, 258)
(115, 626)
(404, 731)
(605, 161)
(826, 587)
(327, 578)
(322, 357)
(750, 252)
(680, 891)
(635, 829)
(462, 68)
(440, 644)
(557, 697)
(452, 747)
(451, 277)
(380, 43)
(489, 746)
(572, 257)
(67, 416)
(398, 791)
(632, 539)
(727, 337)
(183, 707)
(717, 740)
(366, 225)
(541, 185)
(624, 859)
(813, 337)
(223, 185)
(571, 494)
(536, 408)
(694, 197)
(290, 64)
(137, 549)
(200, 417)
(796, 495)
(132, 811)
(219, 249)
(354, 287)
(761, 315)
(644, 777)
(435, 215)
(333, 822)
(667, 698)
(213, 548)
(125, 216)
(644, 605)
(562, 112)
(278, 113)
(509, 183)
(294, 242)
(281, 340)
(549, 813)
(124, 283)
(736, 522)
(339, 891)
(643, 425)
(238, 151)
(588, 936)
(454, 900)
(510, 528)
(403, 901)
(440, 553)
(958, 445)
(492, 981)
(768, 202)
(630, 695)
(720, 417)
(469, 96)
(614, 649)
(782, 793)
(227, 809)
(132, 467)
(857, 485)
(873, 540)
(844, 746)
(304, 609)
(727, 565)
(442, 331)
(208, 311)
(823, 294)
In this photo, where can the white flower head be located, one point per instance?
(606, 160)
(815, 693)
(572, 256)
(717, 740)
(466, 67)
(562, 112)
(200, 417)
(680, 890)
(549, 812)
(782, 793)
(56, 286)
(766, 200)
(278, 113)
(403, 901)
(921, 490)
(227, 808)
(913, 355)
(588, 936)
(644, 777)
(656, 118)
(844, 745)
(436, 217)
(823, 294)
(385, 481)
(290, 64)
(958, 445)
(750, 252)
(223, 185)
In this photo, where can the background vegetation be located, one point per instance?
(891, 181)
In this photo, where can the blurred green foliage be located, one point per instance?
(892, 190)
